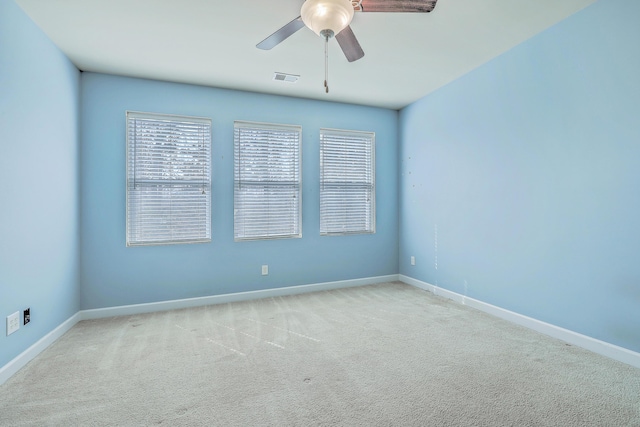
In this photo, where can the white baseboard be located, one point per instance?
(609, 350)
(128, 310)
(603, 348)
(29, 354)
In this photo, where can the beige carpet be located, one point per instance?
(381, 355)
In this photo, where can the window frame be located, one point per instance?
(239, 230)
(204, 184)
(369, 182)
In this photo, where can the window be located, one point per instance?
(347, 182)
(267, 181)
(168, 179)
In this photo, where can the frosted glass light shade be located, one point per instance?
(332, 15)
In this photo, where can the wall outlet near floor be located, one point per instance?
(265, 270)
(26, 315)
(413, 260)
(13, 322)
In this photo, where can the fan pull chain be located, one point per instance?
(326, 63)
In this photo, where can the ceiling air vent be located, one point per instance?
(283, 77)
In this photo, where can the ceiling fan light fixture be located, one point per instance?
(322, 15)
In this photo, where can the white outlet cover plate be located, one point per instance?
(13, 322)
(265, 270)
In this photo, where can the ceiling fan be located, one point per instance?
(329, 18)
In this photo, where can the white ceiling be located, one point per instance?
(212, 43)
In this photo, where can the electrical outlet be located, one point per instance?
(265, 270)
(413, 260)
(13, 322)
(26, 315)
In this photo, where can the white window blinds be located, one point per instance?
(267, 181)
(347, 182)
(168, 179)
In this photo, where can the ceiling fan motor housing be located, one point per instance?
(322, 16)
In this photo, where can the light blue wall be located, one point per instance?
(113, 274)
(39, 107)
(529, 167)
